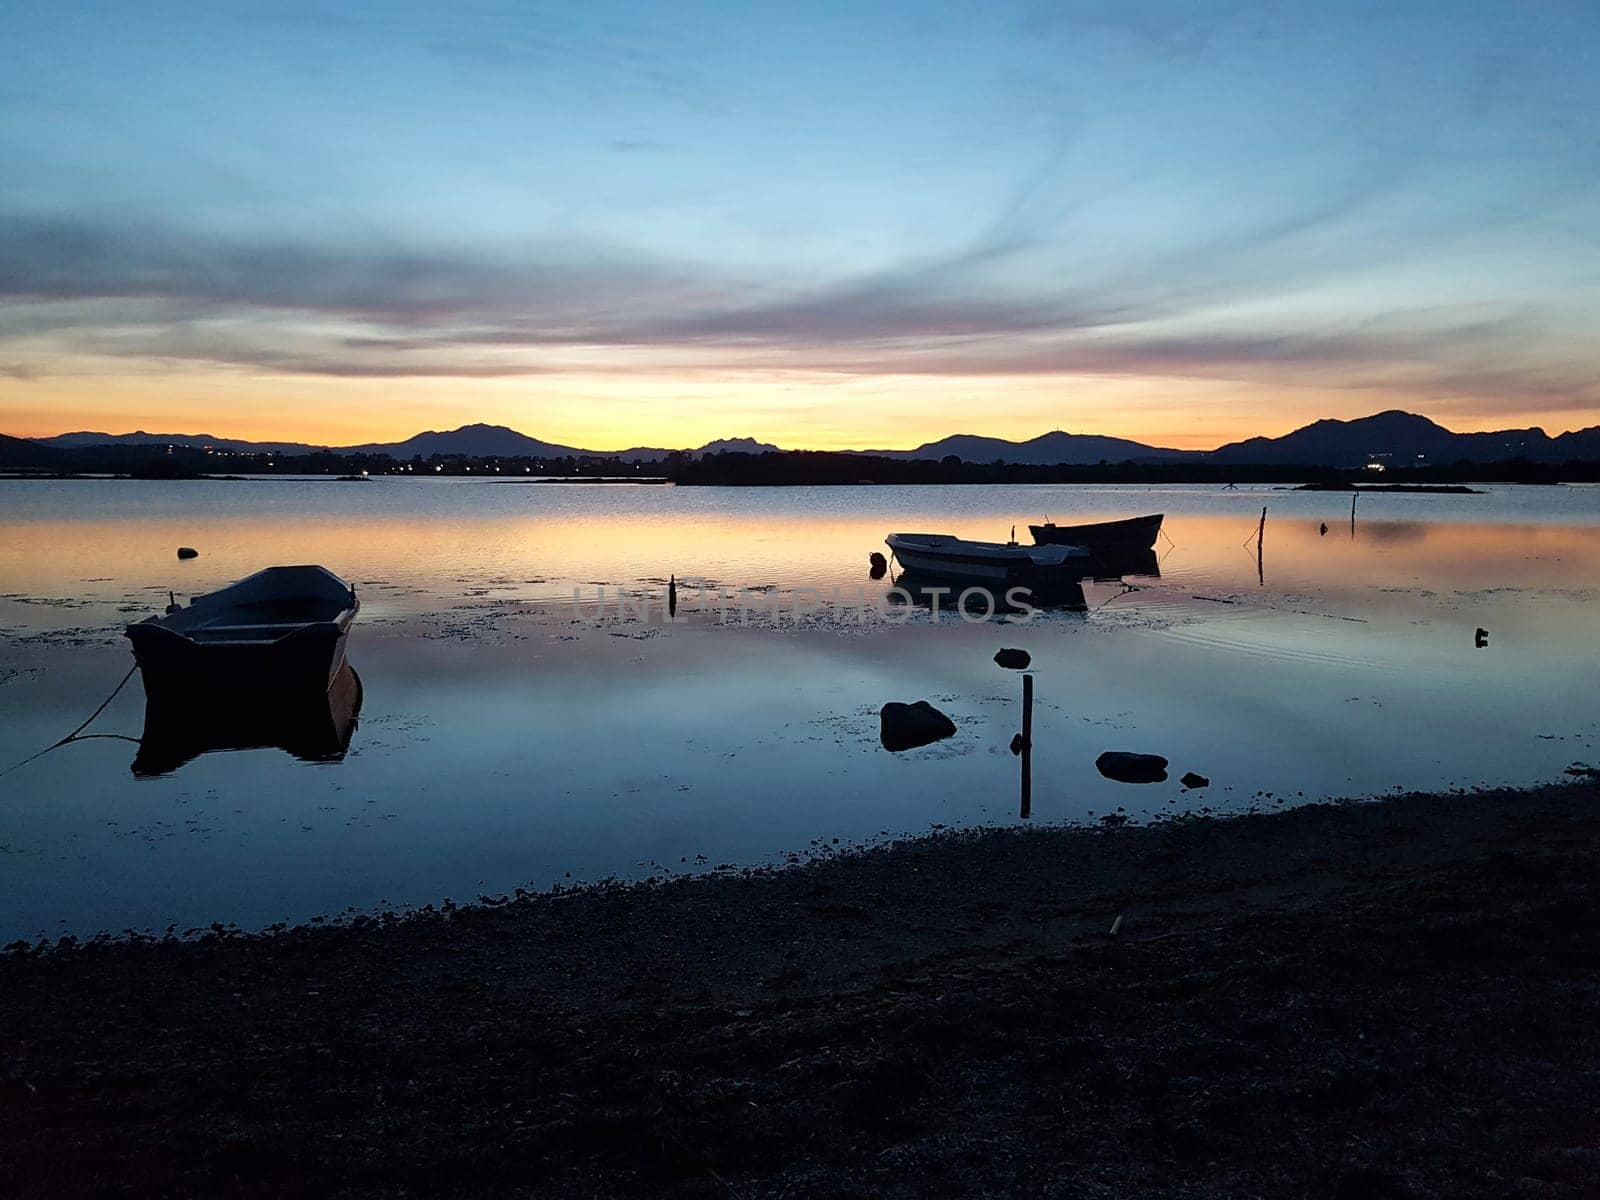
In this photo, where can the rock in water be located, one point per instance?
(878, 564)
(1191, 780)
(1016, 660)
(188, 552)
(907, 726)
(1132, 768)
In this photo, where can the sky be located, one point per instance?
(822, 225)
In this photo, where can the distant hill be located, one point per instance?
(1075, 449)
(23, 454)
(1579, 445)
(739, 445)
(470, 441)
(86, 439)
(1400, 439)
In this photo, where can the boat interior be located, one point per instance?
(265, 606)
(263, 621)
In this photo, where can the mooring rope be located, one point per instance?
(73, 736)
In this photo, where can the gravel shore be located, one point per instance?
(1393, 998)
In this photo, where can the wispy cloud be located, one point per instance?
(138, 292)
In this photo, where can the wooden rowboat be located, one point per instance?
(1138, 532)
(942, 556)
(280, 630)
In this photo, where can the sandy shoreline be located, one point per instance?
(1397, 994)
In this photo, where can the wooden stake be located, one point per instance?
(1027, 746)
(1261, 533)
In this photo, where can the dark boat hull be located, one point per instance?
(1133, 533)
(302, 663)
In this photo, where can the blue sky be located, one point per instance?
(607, 219)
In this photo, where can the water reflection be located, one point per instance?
(89, 553)
(314, 728)
(1060, 591)
(487, 680)
(975, 602)
(1114, 566)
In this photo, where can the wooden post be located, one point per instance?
(1354, 496)
(672, 598)
(1261, 533)
(1027, 746)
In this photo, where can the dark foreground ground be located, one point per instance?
(1394, 999)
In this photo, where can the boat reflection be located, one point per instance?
(977, 602)
(315, 728)
(1058, 590)
(1113, 565)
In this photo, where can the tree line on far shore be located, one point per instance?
(786, 468)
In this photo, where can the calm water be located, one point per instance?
(507, 738)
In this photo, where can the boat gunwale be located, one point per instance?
(987, 553)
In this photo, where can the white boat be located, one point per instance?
(283, 629)
(945, 556)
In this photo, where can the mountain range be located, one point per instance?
(1047, 449)
(469, 441)
(1392, 438)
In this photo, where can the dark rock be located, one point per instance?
(1016, 660)
(1125, 767)
(188, 552)
(1191, 780)
(907, 726)
(1481, 638)
(879, 565)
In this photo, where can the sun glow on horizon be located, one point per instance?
(605, 413)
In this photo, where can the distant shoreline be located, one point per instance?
(1436, 489)
(1296, 479)
(285, 477)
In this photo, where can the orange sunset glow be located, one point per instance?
(809, 411)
